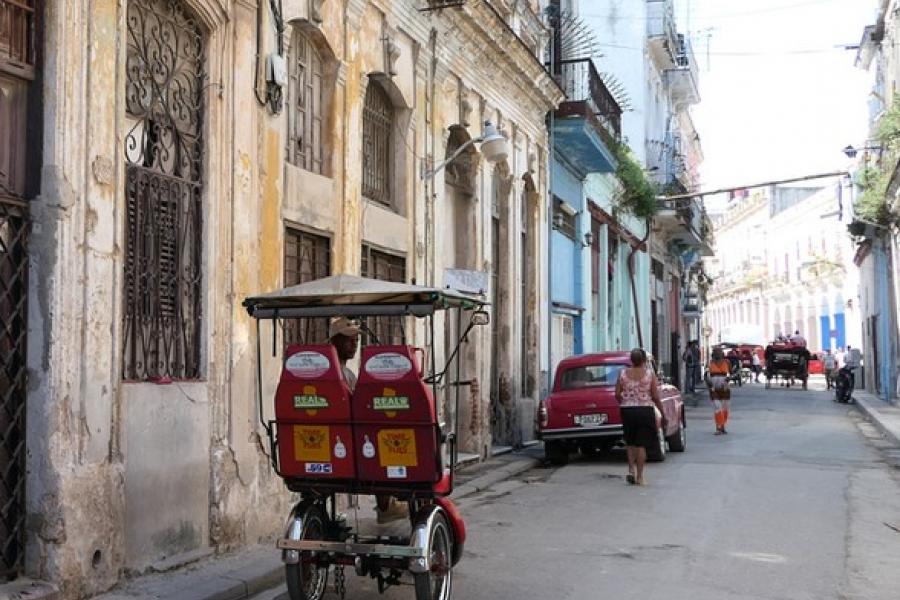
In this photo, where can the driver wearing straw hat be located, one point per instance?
(343, 334)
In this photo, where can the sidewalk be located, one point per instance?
(246, 573)
(885, 417)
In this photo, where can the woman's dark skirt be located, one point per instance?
(639, 426)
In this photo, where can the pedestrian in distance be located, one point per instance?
(637, 393)
(719, 392)
(690, 365)
(757, 366)
(829, 365)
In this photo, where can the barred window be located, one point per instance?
(306, 257)
(386, 267)
(163, 191)
(378, 120)
(306, 105)
(17, 51)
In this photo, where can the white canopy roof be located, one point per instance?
(350, 295)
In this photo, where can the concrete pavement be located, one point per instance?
(257, 570)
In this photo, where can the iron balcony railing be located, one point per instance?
(586, 93)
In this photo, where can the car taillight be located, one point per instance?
(543, 417)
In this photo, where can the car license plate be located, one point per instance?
(590, 420)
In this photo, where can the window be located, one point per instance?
(591, 376)
(17, 36)
(306, 257)
(563, 220)
(163, 192)
(306, 106)
(386, 267)
(378, 120)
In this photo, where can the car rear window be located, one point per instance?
(590, 376)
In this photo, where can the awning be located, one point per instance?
(350, 295)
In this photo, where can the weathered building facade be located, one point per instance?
(199, 151)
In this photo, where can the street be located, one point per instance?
(796, 502)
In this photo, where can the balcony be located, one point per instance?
(683, 79)
(588, 125)
(672, 52)
(687, 225)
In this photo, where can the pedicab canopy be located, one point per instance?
(352, 296)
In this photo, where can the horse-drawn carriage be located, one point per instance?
(384, 437)
(787, 361)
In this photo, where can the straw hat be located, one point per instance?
(342, 326)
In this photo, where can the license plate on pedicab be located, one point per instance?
(591, 420)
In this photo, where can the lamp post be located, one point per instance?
(851, 152)
(494, 147)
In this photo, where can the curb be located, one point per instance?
(875, 409)
(230, 577)
(494, 477)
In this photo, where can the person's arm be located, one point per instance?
(654, 395)
(619, 387)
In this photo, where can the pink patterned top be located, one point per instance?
(636, 392)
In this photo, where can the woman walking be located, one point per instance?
(719, 392)
(638, 394)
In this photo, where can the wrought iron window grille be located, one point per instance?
(163, 189)
(377, 144)
(306, 257)
(385, 267)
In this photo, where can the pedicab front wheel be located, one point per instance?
(434, 584)
(307, 580)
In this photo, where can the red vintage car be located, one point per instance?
(582, 413)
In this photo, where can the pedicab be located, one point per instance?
(383, 438)
(788, 361)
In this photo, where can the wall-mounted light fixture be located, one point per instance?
(851, 152)
(588, 240)
(494, 148)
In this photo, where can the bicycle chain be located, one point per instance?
(339, 582)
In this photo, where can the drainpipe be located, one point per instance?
(637, 309)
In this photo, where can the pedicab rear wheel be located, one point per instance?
(308, 581)
(435, 583)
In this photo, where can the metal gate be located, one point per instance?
(17, 168)
(13, 329)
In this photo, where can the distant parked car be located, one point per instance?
(581, 411)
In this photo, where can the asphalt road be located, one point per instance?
(797, 502)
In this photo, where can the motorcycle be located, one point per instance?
(843, 385)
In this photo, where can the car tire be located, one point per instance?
(557, 453)
(678, 440)
(658, 452)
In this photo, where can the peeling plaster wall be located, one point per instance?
(124, 475)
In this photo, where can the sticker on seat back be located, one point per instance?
(388, 366)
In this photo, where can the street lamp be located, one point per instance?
(494, 147)
(851, 152)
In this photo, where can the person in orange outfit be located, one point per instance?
(719, 392)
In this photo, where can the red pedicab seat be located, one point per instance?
(397, 437)
(313, 417)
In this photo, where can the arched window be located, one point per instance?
(377, 147)
(164, 152)
(306, 105)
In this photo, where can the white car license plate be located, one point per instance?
(591, 420)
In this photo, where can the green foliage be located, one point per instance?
(638, 195)
(871, 204)
(888, 131)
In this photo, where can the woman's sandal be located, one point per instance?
(630, 479)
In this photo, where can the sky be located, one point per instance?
(780, 96)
